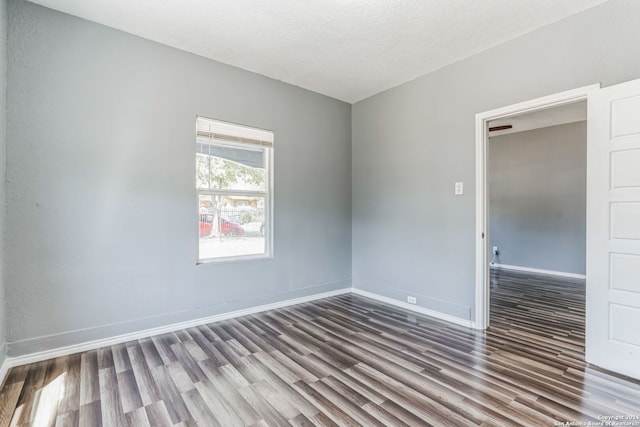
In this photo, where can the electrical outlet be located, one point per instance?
(411, 300)
(458, 189)
(496, 251)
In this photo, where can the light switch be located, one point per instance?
(459, 189)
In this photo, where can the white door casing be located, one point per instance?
(613, 228)
(482, 260)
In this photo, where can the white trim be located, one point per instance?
(412, 307)
(5, 364)
(538, 271)
(11, 362)
(4, 369)
(482, 299)
(482, 270)
(267, 194)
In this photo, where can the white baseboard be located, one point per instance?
(11, 362)
(538, 271)
(4, 368)
(431, 313)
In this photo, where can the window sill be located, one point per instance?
(234, 259)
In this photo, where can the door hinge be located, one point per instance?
(483, 234)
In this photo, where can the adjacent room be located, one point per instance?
(537, 223)
(322, 213)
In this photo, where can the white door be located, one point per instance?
(613, 229)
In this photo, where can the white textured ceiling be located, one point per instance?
(346, 49)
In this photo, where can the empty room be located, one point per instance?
(321, 213)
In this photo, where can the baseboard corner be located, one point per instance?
(5, 366)
(418, 309)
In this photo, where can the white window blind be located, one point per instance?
(222, 131)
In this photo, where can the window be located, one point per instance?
(233, 186)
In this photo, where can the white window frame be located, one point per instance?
(267, 194)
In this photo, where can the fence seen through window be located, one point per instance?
(233, 182)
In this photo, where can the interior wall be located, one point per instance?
(102, 214)
(537, 198)
(3, 145)
(411, 234)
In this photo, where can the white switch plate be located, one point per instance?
(411, 300)
(459, 189)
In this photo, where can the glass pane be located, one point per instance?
(230, 167)
(231, 226)
(203, 164)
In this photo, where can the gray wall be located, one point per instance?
(411, 235)
(537, 197)
(102, 213)
(3, 145)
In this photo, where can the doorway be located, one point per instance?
(484, 253)
(537, 187)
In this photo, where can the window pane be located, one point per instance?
(230, 168)
(203, 164)
(231, 226)
(233, 168)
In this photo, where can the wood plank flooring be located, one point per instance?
(345, 360)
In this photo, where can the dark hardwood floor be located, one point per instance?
(345, 360)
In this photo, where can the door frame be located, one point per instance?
(482, 229)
